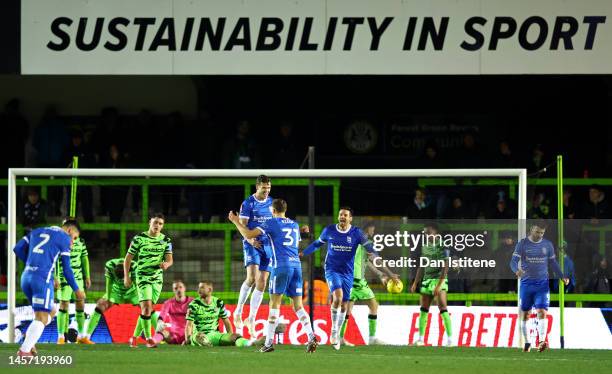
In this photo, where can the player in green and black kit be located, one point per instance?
(79, 262)
(116, 292)
(362, 291)
(202, 328)
(153, 253)
(433, 282)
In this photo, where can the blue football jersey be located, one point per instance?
(341, 248)
(42, 247)
(284, 239)
(534, 259)
(257, 212)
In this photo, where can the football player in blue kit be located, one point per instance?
(255, 210)
(342, 241)
(39, 251)
(286, 278)
(535, 255)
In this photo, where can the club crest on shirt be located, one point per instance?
(349, 240)
(543, 250)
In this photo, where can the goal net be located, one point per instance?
(392, 206)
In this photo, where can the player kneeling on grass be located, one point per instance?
(535, 254)
(203, 314)
(286, 277)
(433, 283)
(116, 292)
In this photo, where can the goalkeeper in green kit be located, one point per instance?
(79, 262)
(116, 292)
(361, 291)
(431, 282)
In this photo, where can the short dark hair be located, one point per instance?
(158, 215)
(262, 179)
(539, 223)
(350, 210)
(119, 272)
(71, 222)
(432, 225)
(279, 205)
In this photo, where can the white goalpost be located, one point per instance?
(14, 174)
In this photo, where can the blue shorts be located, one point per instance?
(286, 280)
(38, 291)
(338, 280)
(254, 256)
(534, 295)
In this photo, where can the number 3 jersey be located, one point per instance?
(284, 236)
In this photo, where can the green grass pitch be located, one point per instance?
(115, 359)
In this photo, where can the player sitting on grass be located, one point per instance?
(286, 277)
(173, 314)
(40, 250)
(79, 261)
(203, 314)
(535, 254)
(116, 292)
(361, 291)
(343, 240)
(433, 283)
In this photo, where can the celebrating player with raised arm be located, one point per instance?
(342, 241)
(535, 254)
(40, 250)
(255, 210)
(153, 251)
(284, 235)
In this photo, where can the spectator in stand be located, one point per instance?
(50, 140)
(540, 207)
(537, 160)
(503, 207)
(113, 198)
(420, 207)
(599, 279)
(505, 158)
(14, 123)
(569, 207)
(79, 148)
(470, 156)
(431, 157)
(34, 211)
(200, 155)
(241, 152)
(597, 206)
(108, 131)
(458, 210)
(285, 149)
